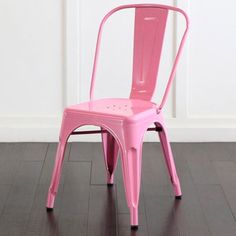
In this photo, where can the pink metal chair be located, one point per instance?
(124, 121)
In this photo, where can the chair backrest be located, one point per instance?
(149, 28)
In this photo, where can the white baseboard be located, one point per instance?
(46, 129)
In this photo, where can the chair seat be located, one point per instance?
(120, 108)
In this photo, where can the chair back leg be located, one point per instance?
(110, 150)
(165, 144)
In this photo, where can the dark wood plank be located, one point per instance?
(216, 210)
(22, 192)
(46, 174)
(226, 171)
(62, 221)
(165, 215)
(32, 151)
(41, 222)
(12, 154)
(72, 224)
(188, 212)
(75, 199)
(19, 202)
(221, 151)
(98, 174)
(155, 177)
(4, 151)
(85, 151)
(102, 219)
(233, 150)
(4, 191)
(23, 151)
(85, 206)
(9, 162)
(161, 219)
(10, 151)
(8, 171)
(71, 202)
(201, 168)
(181, 156)
(155, 182)
(12, 224)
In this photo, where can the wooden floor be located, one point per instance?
(86, 206)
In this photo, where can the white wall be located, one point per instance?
(46, 53)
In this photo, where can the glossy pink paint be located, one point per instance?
(127, 119)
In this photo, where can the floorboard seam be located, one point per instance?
(79, 161)
(116, 207)
(37, 187)
(225, 196)
(68, 158)
(90, 177)
(145, 210)
(198, 198)
(203, 213)
(228, 203)
(3, 208)
(44, 160)
(88, 205)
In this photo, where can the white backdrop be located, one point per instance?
(46, 53)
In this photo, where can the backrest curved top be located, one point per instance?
(149, 28)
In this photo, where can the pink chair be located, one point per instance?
(124, 121)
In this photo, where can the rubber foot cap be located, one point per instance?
(178, 197)
(134, 227)
(109, 185)
(49, 209)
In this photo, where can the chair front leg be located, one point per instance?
(56, 174)
(131, 166)
(69, 123)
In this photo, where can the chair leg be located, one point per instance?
(170, 162)
(110, 149)
(131, 167)
(56, 175)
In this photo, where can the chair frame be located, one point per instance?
(131, 156)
